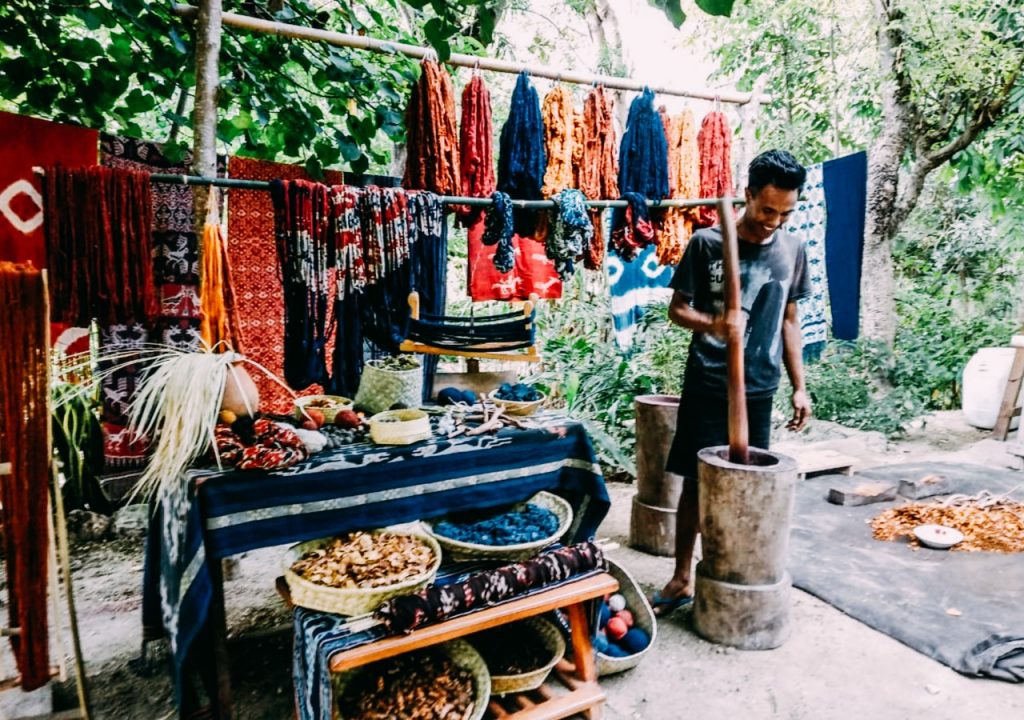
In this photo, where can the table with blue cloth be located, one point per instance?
(216, 514)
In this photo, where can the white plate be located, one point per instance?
(939, 537)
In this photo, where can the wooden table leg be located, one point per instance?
(219, 633)
(582, 649)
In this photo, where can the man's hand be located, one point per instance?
(801, 411)
(720, 325)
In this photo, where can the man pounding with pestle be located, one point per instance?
(773, 276)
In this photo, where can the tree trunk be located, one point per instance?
(204, 115)
(604, 29)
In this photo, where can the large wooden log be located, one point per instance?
(652, 529)
(655, 427)
(748, 617)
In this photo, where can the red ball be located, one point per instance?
(616, 628)
(626, 616)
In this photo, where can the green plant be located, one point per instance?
(78, 443)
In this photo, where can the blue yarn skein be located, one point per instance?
(571, 232)
(643, 155)
(523, 159)
(498, 231)
(634, 641)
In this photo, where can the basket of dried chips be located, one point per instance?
(354, 573)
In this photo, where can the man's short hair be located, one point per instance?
(778, 168)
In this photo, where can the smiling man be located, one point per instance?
(773, 276)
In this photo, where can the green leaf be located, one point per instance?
(349, 150)
(178, 43)
(314, 168)
(672, 10)
(487, 18)
(722, 8)
(139, 102)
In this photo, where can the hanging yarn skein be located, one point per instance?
(715, 142)
(559, 126)
(24, 493)
(498, 230)
(643, 173)
(99, 245)
(597, 169)
(522, 160)
(675, 226)
(432, 160)
(571, 232)
(476, 152)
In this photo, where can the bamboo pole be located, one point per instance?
(738, 427)
(339, 39)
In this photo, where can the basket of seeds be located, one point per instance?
(520, 655)
(444, 682)
(511, 533)
(354, 573)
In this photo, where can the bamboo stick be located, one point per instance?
(339, 39)
(738, 427)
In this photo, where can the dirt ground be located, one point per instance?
(832, 667)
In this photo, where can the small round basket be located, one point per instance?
(380, 387)
(643, 618)
(329, 405)
(352, 601)
(462, 654)
(399, 427)
(459, 550)
(517, 407)
(547, 635)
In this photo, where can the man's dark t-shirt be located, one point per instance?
(772, 274)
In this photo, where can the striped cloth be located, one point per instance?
(319, 636)
(359, 487)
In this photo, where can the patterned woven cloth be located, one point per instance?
(809, 223)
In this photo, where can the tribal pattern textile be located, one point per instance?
(265, 446)
(809, 223)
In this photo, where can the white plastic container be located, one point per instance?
(985, 378)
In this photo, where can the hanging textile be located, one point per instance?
(432, 160)
(384, 214)
(714, 141)
(571, 232)
(429, 267)
(350, 281)
(636, 231)
(845, 181)
(521, 159)
(676, 224)
(476, 153)
(24, 493)
(808, 223)
(301, 221)
(532, 270)
(643, 173)
(634, 286)
(98, 229)
(559, 129)
(30, 142)
(259, 292)
(219, 326)
(598, 166)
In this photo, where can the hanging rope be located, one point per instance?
(598, 166)
(522, 159)
(98, 228)
(301, 222)
(558, 140)
(498, 230)
(714, 141)
(24, 422)
(643, 173)
(675, 226)
(432, 160)
(476, 152)
(571, 232)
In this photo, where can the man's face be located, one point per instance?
(767, 209)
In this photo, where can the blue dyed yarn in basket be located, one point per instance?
(510, 528)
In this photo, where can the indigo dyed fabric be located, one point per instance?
(808, 223)
(846, 191)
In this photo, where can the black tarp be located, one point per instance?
(908, 593)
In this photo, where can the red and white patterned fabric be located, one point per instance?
(533, 272)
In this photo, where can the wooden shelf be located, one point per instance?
(580, 692)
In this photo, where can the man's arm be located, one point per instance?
(792, 356)
(682, 313)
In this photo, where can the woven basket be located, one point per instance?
(340, 404)
(381, 389)
(399, 427)
(352, 601)
(550, 637)
(458, 550)
(517, 407)
(643, 618)
(461, 653)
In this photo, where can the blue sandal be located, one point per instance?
(666, 606)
